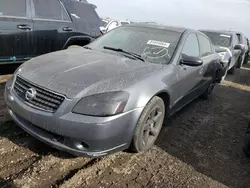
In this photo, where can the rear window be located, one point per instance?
(84, 11)
(219, 39)
(7, 8)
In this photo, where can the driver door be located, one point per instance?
(188, 77)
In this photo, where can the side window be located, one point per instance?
(239, 38)
(205, 46)
(191, 46)
(50, 9)
(7, 8)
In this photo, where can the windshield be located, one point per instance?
(104, 23)
(153, 45)
(219, 39)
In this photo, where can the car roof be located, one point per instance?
(158, 26)
(218, 31)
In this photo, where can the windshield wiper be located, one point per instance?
(137, 56)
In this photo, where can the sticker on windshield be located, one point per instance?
(228, 36)
(158, 43)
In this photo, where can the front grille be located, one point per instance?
(44, 99)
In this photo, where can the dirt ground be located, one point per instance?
(200, 146)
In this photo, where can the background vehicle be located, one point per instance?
(105, 110)
(227, 46)
(243, 41)
(109, 24)
(35, 27)
(247, 53)
(246, 146)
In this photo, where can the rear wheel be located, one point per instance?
(208, 93)
(149, 125)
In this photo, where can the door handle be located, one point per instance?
(68, 29)
(24, 27)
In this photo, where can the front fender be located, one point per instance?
(142, 92)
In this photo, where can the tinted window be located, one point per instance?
(13, 8)
(219, 39)
(239, 38)
(154, 45)
(65, 15)
(50, 9)
(191, 46)
(84, 11)
(205, 46)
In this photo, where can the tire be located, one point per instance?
(147, 129)
(239, 62)
(223, 78)
(246, 146)
(208, 93)
(73, 46)
(232, 70)
(246, 59)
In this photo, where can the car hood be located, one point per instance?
(79, 72)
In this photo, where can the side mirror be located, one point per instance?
(239, 47)
(191, 61)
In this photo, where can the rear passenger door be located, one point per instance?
(209, 58)
(52, 25)
(16, 29)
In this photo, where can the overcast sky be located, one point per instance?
(204, 14)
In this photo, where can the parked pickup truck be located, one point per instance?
(30, 28)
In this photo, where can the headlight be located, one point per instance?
(103, 104)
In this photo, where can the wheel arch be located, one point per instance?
(77, 40)
(165, 96)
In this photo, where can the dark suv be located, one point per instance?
(30, 28)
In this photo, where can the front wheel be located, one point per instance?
(232, 70)
(239, 62)
(149, 125)
(73, 46)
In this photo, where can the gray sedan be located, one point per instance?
(114, 93)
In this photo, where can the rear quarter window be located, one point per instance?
(16, 8)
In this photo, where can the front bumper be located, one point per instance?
(76, 134)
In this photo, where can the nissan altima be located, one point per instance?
(114, 93)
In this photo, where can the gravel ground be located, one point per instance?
(200, 146)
